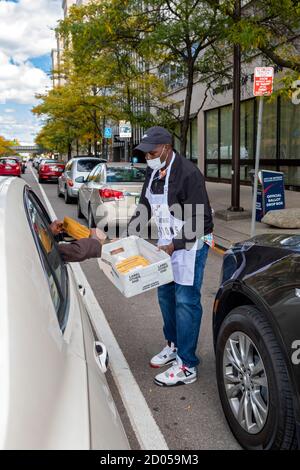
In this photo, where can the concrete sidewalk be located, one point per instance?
(234, 231)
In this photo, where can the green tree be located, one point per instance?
(5, 146)
(269, 28)
(104, 39)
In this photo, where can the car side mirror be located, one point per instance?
(81, 179)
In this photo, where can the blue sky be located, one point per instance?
(26, 40)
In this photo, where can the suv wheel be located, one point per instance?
(253, 382)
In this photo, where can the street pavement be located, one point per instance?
(189, 417)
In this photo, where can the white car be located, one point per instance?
(76, 170)
(53, 391)
(110, 193)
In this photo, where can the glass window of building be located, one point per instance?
(280, 140)
(212, 134)
(192, 148)
(247, 130)
(194, 140)
(269, 131)
(226, 133)
(289, 130)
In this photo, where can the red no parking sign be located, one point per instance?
(263, 81)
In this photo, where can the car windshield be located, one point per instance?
(86, 165)
(125, 175)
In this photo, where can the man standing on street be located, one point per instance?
(173, 181)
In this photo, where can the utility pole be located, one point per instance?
(236, 121)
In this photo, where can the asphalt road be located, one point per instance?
(190, 417)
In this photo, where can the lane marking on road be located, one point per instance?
(142, 421)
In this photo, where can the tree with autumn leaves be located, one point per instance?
(119, 50)
(5, 147)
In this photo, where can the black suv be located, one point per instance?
(256, 327)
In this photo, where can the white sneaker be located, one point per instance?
(178, 374)
(166, 356)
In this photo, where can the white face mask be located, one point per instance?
(156, 163)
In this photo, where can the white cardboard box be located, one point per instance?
(139, 280)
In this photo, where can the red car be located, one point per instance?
(50, 170)
(10, 166)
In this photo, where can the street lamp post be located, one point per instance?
(236, 135)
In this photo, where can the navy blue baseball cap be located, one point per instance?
(153, 137)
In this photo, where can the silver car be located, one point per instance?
(110, 193)
(53, 390)
(69, 182)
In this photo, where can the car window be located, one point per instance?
(54, 268)
(8, 161)
(100, 175)
(68, 166)
(125, 175)
(86, 165)
(92, 174)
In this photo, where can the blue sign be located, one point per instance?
(107, 133)
(259, 204)
(270, 195)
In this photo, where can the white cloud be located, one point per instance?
(26, 32)
(26, 27)
(23, 127)
(19, 83)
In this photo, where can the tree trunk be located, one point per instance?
(95, 146)
(69, 151)
(130, 148)
(187, 110)
(89, 147)
(103, 139)
(77, 147)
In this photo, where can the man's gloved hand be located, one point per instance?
(56, 227)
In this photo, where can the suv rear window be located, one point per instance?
(125, 175)
(86, 165)
(8, 161)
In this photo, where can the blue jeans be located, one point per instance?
(182, 311)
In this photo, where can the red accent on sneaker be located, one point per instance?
(153, 366)
(172, 375)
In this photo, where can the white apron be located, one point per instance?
(183, 261)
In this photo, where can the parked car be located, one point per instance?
(111, 192)
(10, 166)
(54, 393)
(50, 170)
(68, 185)
(23, 164)
(256, 326)
(36, 162)
(41, 160)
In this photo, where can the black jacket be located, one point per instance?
(186, 189)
